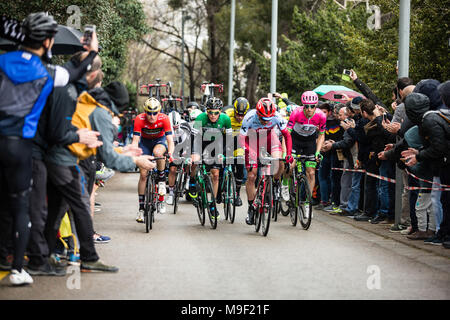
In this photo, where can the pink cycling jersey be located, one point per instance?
(307, 128)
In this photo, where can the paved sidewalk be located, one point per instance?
(383, 230)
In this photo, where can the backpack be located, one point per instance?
(86, 105)
(443, 113)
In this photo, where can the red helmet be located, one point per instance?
(265, 108)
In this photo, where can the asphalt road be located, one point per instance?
(179, 259)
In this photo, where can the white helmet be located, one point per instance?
(194, 114)
(175, 119)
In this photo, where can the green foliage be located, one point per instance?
(132, 91)
(117, 21)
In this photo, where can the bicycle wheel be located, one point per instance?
(199, 205)
(178, 190)
(293, 203)
(226, 194)
(257, 213)
(210, 203)
(267, 206)
(305, 207)
(232, 213)
(148, 204)
(276, 202)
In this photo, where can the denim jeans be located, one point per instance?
(436, 204)
(330, 180)
(353, 200)
(386, 190)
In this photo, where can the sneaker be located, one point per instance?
(346, 213)
(446, 242)
(20, 278)
(285, 192)
(5, 265)
(238, 202)
(140, 216)
(408, 231)
(398, 228)
(97, 266)
(169, 199)
(46, 270)
(56, 261)
(363, 217)
(98, 238)
(250, 217)
(436, 240)
(74, 259)
(322, 205)
(192, 192)
(161, 188)
(216, 214)
(335, 211)
(377, 219)
(330, 208)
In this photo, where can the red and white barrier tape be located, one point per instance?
(446, 187)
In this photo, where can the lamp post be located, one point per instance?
(274, 48)
(230, 71)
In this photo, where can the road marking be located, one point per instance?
(3, 274)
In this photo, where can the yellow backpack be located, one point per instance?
(86, 104)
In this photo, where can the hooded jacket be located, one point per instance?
(433, 129)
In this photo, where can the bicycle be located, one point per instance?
(180, 181)
(228, 188)
(157, 87)
(208, 89)
(151, 201)
(300, 205)
(263, 203)
(205, 199)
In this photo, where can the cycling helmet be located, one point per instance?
(38, 27)
(241, 106)
(309, 97)
(214, 103)
(265, 108)
(152, 105)
(192, 104)
(194, 114)
(175, 119)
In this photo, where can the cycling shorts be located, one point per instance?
(272, 144)
(147, 145)
(305, 148)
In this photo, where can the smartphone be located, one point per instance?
(338, 96)
(397, 64)
(347, 72)
(87, 36)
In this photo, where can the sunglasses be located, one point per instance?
(307, 106)
(214, 113)
(153, 113)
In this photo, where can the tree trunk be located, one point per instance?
(211, 10)
(252, 83)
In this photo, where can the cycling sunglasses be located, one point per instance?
(312, 106)
(152, 113)
(214, 113)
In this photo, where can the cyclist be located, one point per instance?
(267, 124)
(209, 122)
(153, 134)
(307, 126)
(192, 105)
(237, 114)
(181, 133)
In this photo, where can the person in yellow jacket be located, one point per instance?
(237, 114)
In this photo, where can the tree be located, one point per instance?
(117, 21)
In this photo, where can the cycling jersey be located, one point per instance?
(277, 124)
(147, 130)
(235, 125)
(224, 122)
(304, 128)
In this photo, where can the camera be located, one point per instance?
(87, 36)
(347, 72)
(338, 96)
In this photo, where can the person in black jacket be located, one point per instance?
(435, 132)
